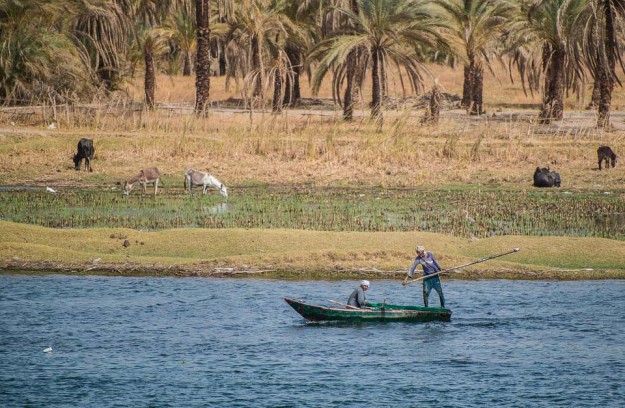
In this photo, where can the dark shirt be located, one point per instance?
(428, 262)
(357, 298)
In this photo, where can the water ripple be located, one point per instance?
(164, 342)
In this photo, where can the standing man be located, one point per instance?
(358, 298)
(430, 266)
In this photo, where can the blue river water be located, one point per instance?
(196, 342)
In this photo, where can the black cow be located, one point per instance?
(606, 153)
(85, 150)
(545, 178)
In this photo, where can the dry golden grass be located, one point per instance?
(307, 146)
(296, 253)
(311, 148)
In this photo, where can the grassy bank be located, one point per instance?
(297, 254)
(300, 180)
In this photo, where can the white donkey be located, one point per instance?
(198, 178)
(143, 177)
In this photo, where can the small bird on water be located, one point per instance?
(47, 349)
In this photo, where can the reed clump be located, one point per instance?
(455, 210)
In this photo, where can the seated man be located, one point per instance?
(358, 299)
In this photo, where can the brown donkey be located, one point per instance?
(143, 177)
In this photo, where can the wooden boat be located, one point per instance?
(378, 312)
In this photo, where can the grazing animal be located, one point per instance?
(86, 151)
(143, 177)
(545, 178)
(605, 153)
(198, 178)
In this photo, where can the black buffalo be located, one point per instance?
(606, 153)
(85, 150)
(545, 178)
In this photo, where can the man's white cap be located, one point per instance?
(364, 283)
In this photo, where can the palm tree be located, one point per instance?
(606, 16)
(389, 31)
(202, 59)
(473, 32)
(324, 19)
(354, 75)
(104, 30)
(259, 26)
(224, 11)
(38, 55)
(181, 28)
(278, 81)
(541, 37)
(304, 16)
(153, 44)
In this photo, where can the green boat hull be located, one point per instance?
(378, 312)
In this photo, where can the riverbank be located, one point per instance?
(492, 156)
(296, 254)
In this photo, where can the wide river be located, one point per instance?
(167, 342)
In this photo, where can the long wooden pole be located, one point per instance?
(463, 265)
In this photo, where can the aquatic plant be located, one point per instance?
(455, 211)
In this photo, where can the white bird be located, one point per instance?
(47, 349)
(50, 190)
(52, 125)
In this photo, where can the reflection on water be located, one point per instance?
(21, 188)
(220, 208)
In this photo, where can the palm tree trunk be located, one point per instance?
(383, 77)
(202, 58)
(257, 66)
(150, 81)
(376, 113)
(222, 64)
(353, 5)
(435, 105)
(277, 92)
(466, 88)
(292, 92)
(606, 79)
(553, 101)
(350, 89)
(606, 86)
(477, 89)
(348, 99)
(186, 68)
(288, 91)
(596, 94)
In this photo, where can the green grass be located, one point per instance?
(458, 211)
(304, 232)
